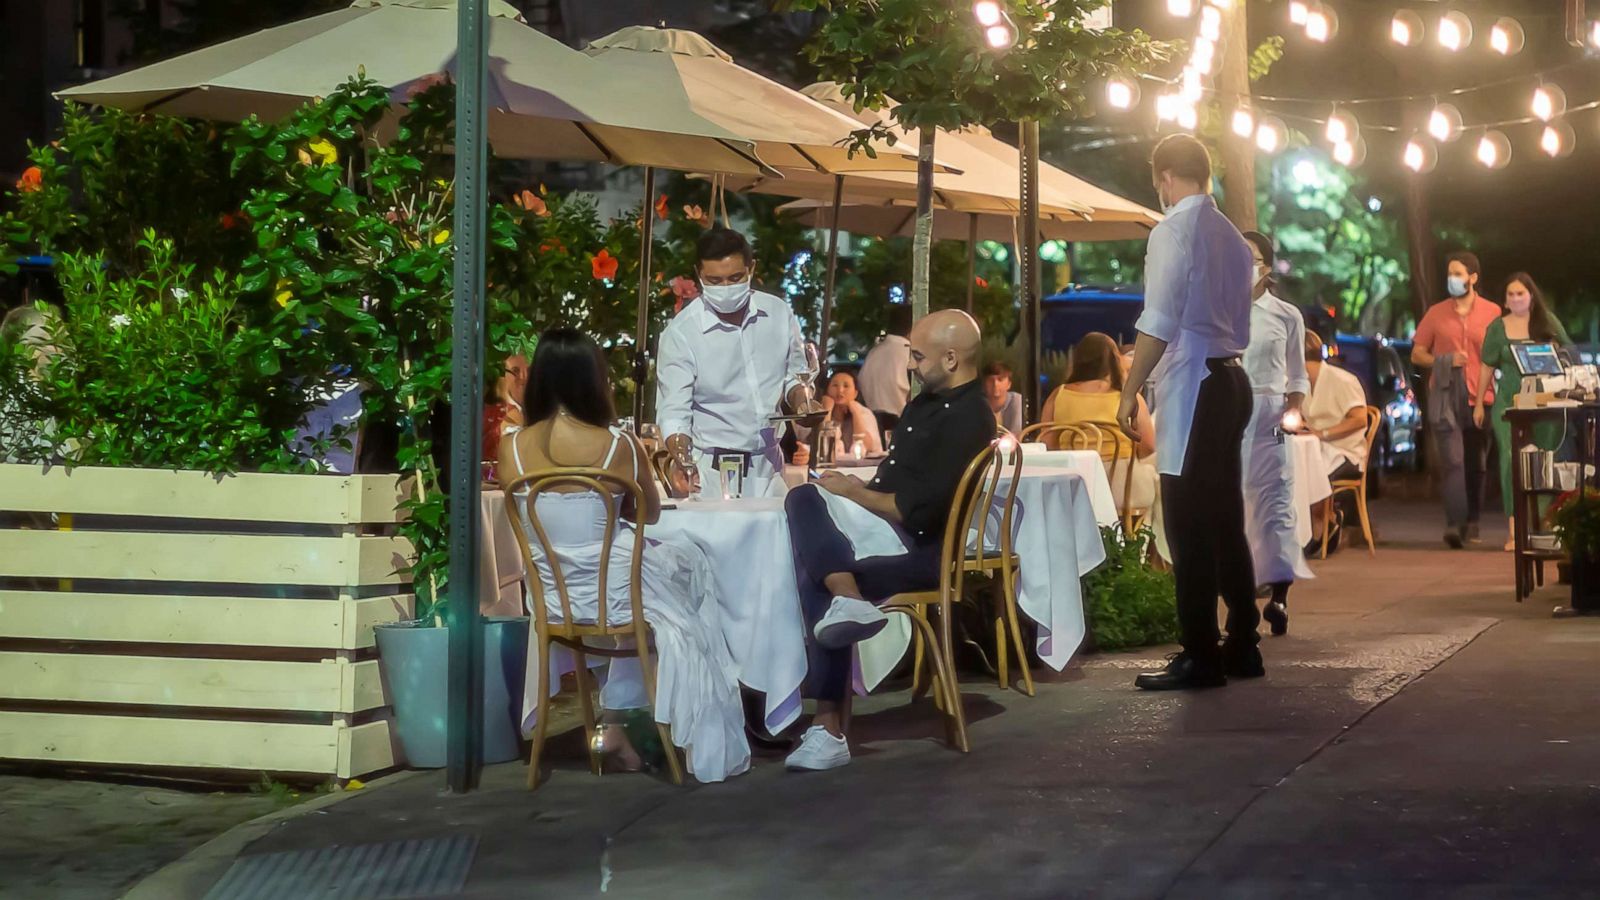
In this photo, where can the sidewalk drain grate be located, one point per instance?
(426, 867)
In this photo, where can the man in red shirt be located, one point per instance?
(1449, 342)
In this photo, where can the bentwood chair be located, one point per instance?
(578, 636)
(1357, 486)
(1061, 432)
(977, 540)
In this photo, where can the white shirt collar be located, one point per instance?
(709, 321)
(1189, 202)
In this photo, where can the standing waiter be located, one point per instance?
(1275, 362)
(1196, 325)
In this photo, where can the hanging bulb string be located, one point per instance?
(1537, 77)
(1476, 126)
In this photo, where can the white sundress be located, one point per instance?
(697, 686)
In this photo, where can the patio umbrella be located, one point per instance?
(547, 100)
(981, 201)
(799, 136)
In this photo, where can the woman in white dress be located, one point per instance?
(570, 411)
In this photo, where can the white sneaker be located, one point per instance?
(849, 620)
(819, 751)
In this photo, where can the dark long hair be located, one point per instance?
(568, 372)
(1541, 325)
(1096, 356)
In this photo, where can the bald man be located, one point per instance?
(897, 519)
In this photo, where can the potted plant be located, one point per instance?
(1128, 603)
(1575, 519)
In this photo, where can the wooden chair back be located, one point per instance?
(1124, 457)
(1068, 435)
(614, 491)
(972, 514)
(1369, 436)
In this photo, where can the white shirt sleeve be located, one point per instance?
(1295, 356)
(1164, 286)
(675, 371)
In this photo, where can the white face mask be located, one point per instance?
(1259, 271)
(726, 298)
(1456, 285)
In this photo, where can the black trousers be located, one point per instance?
(820, 550)
(1475, 447)
(1204, 509)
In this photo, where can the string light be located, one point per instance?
(987, 12)
(1188, 118)
(1444, 123)
(1342, 128)
(1211, 23)
(1507, 37)
(1002, 36)
(1557, 140)
(1167, 107)
(1494, 149)
(1299, 12)
(1405, 28)
(1204, 57)
(1350, 154)
(1191, 88)
(1271, 134)
(1420, 156)
(1455, 31)
(1594, 34)
(1181, 8)
(1122, 93)
(1244, 121)
(1321, 24)
(1549, 101)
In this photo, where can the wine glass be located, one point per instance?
(813, 369)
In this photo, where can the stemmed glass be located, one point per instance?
(813, 369)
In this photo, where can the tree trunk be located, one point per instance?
(1238, 155)
(922, 247)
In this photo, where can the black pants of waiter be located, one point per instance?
(820, 550)
(1204, 510)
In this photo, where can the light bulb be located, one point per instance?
(1444, 123)
(1002, 36)
(1204, 57)
(1494, 150)
(1350, 153)
(987, 13)
(1507, 37)
(1549, 101)
(1191, 88)
(1167, 106)
(1420, 155)
(1181, 8)
(1211, 23)
(1455, 30)
(1557, 140)
(1342, 128)
(1405, 28)
(1271, 135)
(1244, 122)
(1188, 118)
(1122, 93)
(1299, 12)
(1321, 24)
(1594, 34)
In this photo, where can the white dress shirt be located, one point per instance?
(1197, 275)
(884, 380)
(1276, 357)
(1331, 399)
(718, 383)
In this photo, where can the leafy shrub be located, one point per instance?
(154, 370)
(1576, 521)
(1128, 603)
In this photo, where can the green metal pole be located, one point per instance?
(1028, 257)
(464, 760)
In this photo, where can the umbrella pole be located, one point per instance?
(464, 724)
(833, 268)
(1028, 256)
(641, 340)
(972, 257)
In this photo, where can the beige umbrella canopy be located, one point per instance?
(792, 132)
(547, 100)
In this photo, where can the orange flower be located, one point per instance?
(695, 214)
(530, 201)
(661, 207)
(552, 244)
(32, 180)
(229, 221)
(980, 282)
(603, 266)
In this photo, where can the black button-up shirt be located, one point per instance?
(934, 442)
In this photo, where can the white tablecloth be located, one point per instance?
(748, 544)
(1057, 537)
(1311, 483)
(500, 566)
(1089, 465)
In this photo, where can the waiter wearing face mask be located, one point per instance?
(1275, 361)
(1194, 328)
(726, 364)
(1449, 343)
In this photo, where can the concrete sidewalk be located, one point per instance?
(1419, 734)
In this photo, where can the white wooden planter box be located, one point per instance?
(179, 619)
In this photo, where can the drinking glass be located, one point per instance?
(813, 369)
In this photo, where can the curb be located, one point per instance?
(192, 874)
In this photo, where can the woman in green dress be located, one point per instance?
(1525, 320)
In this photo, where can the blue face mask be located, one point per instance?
(1456, 285)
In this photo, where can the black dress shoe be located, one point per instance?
(1182, 673)
(1243, 662)
(1277, 615)
(1452, 539)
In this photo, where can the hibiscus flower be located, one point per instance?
(980, 282)
(603, 266)
(661, 207)
(32, 180)
(531, 202)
